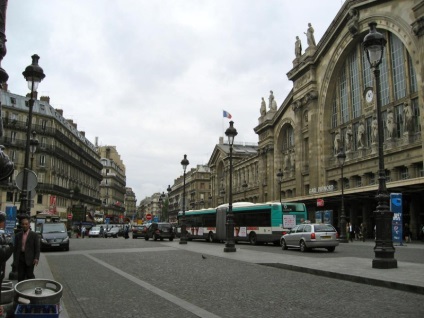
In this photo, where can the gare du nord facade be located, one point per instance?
(328, 108)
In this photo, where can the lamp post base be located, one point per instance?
(384, 263)
(183, 241)
(230, 248)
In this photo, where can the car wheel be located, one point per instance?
(303, 247)
(146, 237)
(161, 238)
(155, 237)
(210, 237)
(171, 239)
(284, 244)
(331, 249)
(253, 239)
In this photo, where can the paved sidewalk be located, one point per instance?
(407, 277)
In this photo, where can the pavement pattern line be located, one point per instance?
(200, 312)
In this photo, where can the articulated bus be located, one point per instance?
(253, 222)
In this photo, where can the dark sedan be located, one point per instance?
(139, 231)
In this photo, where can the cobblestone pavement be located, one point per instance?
(135, 278)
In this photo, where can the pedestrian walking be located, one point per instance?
(83, 231)
(102, 231)
(363, 232)
(407, 233)
(26, 251)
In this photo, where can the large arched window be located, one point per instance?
(399, 88)
(288, 137)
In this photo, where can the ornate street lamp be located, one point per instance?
(169, 189)
(280, 180)
(183, 238)
(160, 207)
(341, 157)
(33, 146)
(244, 185)
(34, 75)
(230, 245)
(384, 250)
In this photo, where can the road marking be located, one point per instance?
(200, 312)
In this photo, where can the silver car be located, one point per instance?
(308, 236)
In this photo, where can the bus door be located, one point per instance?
(221, 220)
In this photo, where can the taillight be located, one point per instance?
(284, 233)
(312, 236)
(337, 234)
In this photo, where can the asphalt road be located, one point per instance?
(135, 278)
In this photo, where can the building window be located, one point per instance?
(13, 136)
(39, 199)
(288, 137)
(42, 161)
(404, 173)
(368, 128)
(396, 70)
(416, 124)
(13, 100)
(399, 121)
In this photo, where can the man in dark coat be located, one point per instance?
(27, 251)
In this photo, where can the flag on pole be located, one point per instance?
(227, 115)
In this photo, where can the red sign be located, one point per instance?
(148, 216)
(320, 202)
(70, 216)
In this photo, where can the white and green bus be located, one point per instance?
(254, 223)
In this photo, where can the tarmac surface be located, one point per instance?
(407, 277)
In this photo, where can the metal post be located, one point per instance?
(231, 132)
(341, 156)
(183, 238)
(384, 250)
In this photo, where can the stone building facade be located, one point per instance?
(113, 184)
(332, 105)
(64, 159)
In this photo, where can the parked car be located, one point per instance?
(112, 232)
(94, 231)
(308, 236)
(53, 236)
(139, 231)
(160, 231)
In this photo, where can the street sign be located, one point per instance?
(32, 180)
(320, 202)
(70, 216)
(148, 216)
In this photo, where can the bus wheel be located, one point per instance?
(210, 237)
(253, 239)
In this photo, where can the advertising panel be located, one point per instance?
(396, 208)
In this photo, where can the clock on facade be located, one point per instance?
(369, 95)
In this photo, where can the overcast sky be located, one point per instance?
(152, 77)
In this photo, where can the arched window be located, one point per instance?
(398, 87)
(288, 137)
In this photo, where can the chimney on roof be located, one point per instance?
(35, 95)
(59, 111)
(82, 133)
(221, 140)
(45, 99)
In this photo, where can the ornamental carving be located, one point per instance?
(418, 26)
(297, 104)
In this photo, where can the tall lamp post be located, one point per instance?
(280, 180)
(169, 189)
(183, 238)
(33, 146)
(341, 157)
(374, 44)
(230, 245)
(34, 75)
(244, 185)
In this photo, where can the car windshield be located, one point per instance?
(95, 228)
(54, 228)
(324, 228)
